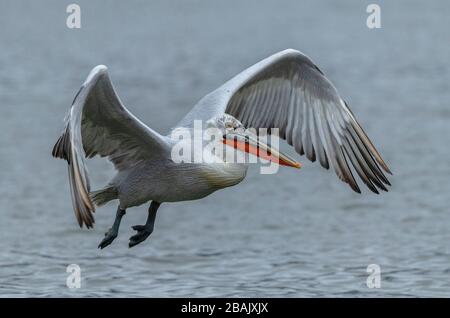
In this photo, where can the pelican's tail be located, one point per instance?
(103, 196)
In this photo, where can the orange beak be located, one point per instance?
(254, 146)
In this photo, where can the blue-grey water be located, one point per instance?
(294, 234)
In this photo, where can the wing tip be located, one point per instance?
(357, 190)
(88, 222)
(386, 168)
(84, 215)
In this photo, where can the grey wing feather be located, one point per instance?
(289, 92)
(98, 124)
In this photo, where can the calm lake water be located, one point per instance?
(294, 234)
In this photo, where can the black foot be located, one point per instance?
(109, 237)
(142, 233)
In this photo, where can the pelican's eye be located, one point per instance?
(229, 125)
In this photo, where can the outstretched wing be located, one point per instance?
(289, 92)
(99, 124)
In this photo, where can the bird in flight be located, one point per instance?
(285, 91)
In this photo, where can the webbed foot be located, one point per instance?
(143, 231)
(110, 235)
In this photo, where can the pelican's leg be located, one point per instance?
(114, 231)
(144, 231)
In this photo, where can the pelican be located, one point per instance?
(286, 91)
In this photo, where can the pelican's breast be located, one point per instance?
(222, 175)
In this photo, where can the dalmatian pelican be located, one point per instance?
(285, 91)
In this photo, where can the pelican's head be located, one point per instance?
(226, 123)
(234, 134)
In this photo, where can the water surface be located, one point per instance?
(293, 234)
